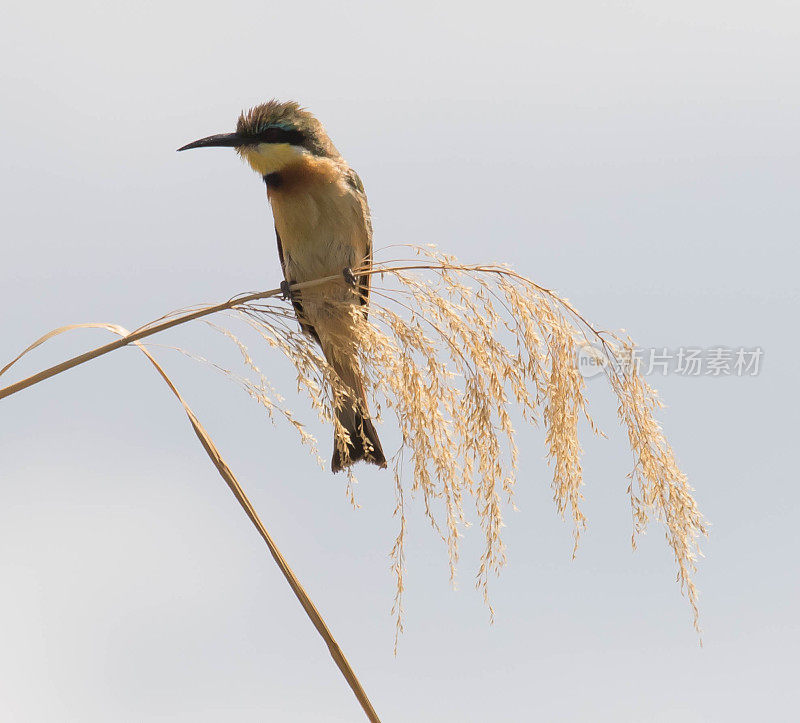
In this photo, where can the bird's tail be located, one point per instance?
(363, 442)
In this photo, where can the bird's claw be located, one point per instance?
(286, 292)
(349, 276)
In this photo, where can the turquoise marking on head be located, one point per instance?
(282, 125)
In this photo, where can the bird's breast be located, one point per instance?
(321, 223)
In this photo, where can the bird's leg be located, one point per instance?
(349, 276)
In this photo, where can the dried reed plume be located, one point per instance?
(449, 349)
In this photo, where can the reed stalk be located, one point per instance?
(447, 354)
(127, 338)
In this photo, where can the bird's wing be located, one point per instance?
(298, 306)
(363, 280)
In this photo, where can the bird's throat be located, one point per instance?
(267, 158)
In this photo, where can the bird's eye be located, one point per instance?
(281, 135)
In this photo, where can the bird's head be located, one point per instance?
(272, 136)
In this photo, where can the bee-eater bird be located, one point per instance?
(323, 226)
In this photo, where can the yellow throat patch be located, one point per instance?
(268, 158)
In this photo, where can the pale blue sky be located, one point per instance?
(639, 157)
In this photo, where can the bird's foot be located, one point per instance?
(349, 276)
(286, 291)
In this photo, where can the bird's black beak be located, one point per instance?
(226, 140)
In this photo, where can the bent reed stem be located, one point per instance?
(241, 497)
(155, 328)
(213, 453)
(131, 338)
(141, 333)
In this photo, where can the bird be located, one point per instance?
(323, 228)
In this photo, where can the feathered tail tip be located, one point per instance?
(359, 429)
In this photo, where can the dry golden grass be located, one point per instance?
(448, 351)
